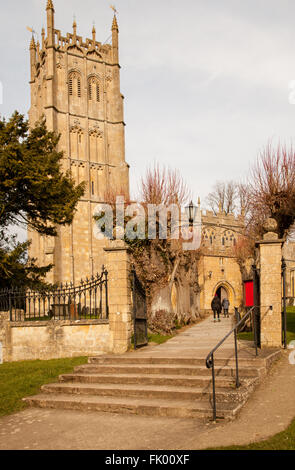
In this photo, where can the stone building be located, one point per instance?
(75, 84)
(218, 270)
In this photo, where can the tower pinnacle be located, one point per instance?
(32, 44)
(115, 24)
(50, 5)
(93, 34)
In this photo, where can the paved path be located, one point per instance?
(267, 412)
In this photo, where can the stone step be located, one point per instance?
(144, 379)
(193, 361)
(170, 369)
(139, 406)
(148, 391)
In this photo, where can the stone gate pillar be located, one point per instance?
(270, 255)
(119, 295)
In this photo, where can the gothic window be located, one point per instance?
(209, 236)
(75, 84)
(228, 238)
(93, 89)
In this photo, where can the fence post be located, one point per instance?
(5, 336)
(119, 295)
(270, 255)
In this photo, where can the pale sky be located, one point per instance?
(206, 82)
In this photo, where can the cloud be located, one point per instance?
(205, 83)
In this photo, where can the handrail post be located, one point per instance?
(213, 388)
(284, 326)
(254, 322)
(237, 363)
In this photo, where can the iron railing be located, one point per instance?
(89, 300)
(284, 305)
(139, 312)
(210, 357)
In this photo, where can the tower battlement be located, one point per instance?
(221, 231)
(72, 43)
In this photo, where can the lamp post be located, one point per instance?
(191, 212)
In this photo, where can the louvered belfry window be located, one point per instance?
(75, 84)
(93, 90)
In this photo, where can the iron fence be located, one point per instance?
(139, 312)
(89, 300)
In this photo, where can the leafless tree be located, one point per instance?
(272, 187)
(223, 197)
(164, 186)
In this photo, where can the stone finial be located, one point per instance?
(74, 30)
(199, 201)
(94, 34)
(115, 24)
(271, 227)
(50, 5)
(43, 37)
(33, 44)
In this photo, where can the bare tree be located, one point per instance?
(164, 186)
(272, 187)
(223, 197)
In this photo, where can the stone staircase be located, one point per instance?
(155, 386)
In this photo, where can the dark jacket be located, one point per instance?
(216, 304)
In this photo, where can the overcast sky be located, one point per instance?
(206, 82)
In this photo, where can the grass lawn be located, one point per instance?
(159, 339)
(154, 338)
(21, 379)
(248, 336)
(284, 440)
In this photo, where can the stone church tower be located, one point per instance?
(75, 83)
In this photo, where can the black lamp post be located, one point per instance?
(191, 211)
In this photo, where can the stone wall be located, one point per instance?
(24, 340)
(53, 339)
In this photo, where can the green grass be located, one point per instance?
(290, 324)
(284, 440)
(159, 339)
(155, 338)
(248, 336)
(21, 379)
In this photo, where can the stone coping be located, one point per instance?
(18, 324)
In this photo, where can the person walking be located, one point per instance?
(216, 307)
(225, 306)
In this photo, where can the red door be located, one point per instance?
(248, 290)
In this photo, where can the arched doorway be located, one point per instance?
(225, 290)
(222, 293)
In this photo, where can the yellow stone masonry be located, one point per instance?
(75, 83)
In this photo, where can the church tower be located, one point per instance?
(75, 84)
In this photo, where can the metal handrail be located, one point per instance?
(210, 356)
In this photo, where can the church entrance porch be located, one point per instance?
(225, 291)
(222, 293)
